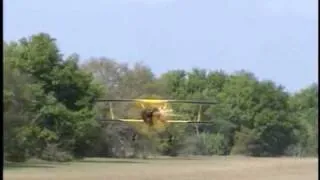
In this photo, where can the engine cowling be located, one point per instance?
(150, 114)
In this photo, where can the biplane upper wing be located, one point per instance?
(140, 120)
(157, 101)
(169, 121)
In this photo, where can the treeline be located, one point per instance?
(50, 110)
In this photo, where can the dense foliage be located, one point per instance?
(50, 110)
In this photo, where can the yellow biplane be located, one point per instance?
(155, 114)
(156, 110)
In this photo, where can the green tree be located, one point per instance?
(304, 108)
(63, 102)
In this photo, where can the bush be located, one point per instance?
(17, 150)
(15, 157)
(205, 144)
(307, 148)
(294, 150)
(52, 153)
(243, 142)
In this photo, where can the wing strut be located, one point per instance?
(111, 110)
(199, 113)
(198, 119)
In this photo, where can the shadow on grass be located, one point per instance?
(43, 164)
(33, 163)
(11, 165)
(120, 161)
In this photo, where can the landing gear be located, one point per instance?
(134, 137)
(170, 139)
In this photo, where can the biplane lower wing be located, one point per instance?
(156, 101)
(169, 121)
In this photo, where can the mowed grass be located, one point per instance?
(197, 168)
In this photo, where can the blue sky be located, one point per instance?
(275, 39)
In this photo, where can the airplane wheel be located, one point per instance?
(134, 137)
(171, 138)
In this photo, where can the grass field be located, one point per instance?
(215, 168)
